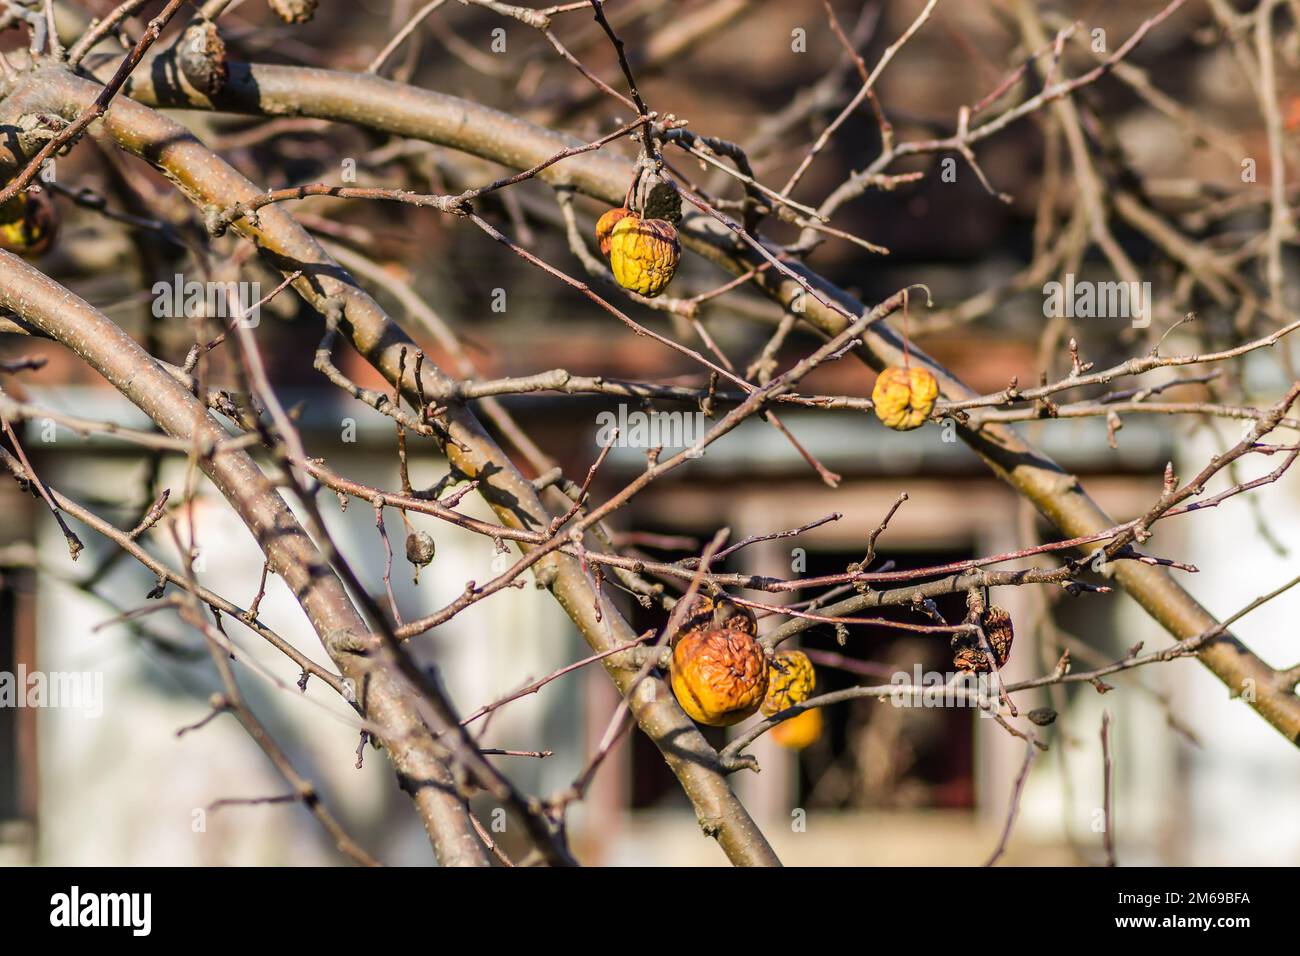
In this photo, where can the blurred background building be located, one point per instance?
(1200, 779)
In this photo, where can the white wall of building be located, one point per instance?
(124, 789)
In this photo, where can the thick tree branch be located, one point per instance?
(383, 698)
(212, 184)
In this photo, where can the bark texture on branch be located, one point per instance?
(491, 134)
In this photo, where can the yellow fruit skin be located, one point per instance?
(799, 731)
(718, 676)
(643, 254)
(605, 227)
(28, 225)
(790, 680)
(904, 398)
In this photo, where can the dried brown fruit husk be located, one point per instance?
(420, 548)
(968, 650)
(733, 617)
(1042, 716)
(660, 199)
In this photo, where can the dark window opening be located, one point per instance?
(871, 753)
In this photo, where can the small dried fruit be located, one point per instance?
(202, 57)
(294, 11)
(800, 730)
(968, 649)
(29, 224)
(997, 625)
(658, 198)
(643, 254)
(904, 397)
(718, 669)
(1042, 716)
(605, 227)
(420, 548)
(790, 680)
